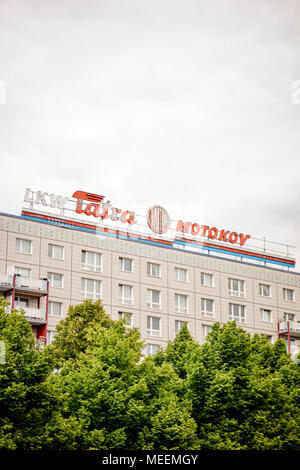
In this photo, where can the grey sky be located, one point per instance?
(187, 104)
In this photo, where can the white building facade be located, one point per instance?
(47, 264)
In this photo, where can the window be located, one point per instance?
(153, 326)
(181, 274)
(152, 349)
(126, 264)
(90, 289)
(153, 269)
(207, 280)
(23, 246)
(55, 309)
(236, 287)
(55, 251)
(153, 298)
(288, 294)
(265, 315)
(289, 316)
(207, 308)
(55, 280)
(178, 325)
(264, 290)
(205, 329)
(237, 313)
(91, 261)
(181, 303)
(125, 294)
(50, 336)
(24, 272)
(21, 302)
(127, 317)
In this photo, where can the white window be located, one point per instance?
(90, 289)
(153, 326)
(24, 272)
(50, 336)
(153, 269)
(265, 315)
(127, 317)
(181, 274)
(236, 287)
(55, 251)
(153, 298)
(55, 309)
(207, 308)
(207, 280)
(126, 264)
(178, 325)
(264, 290)
(205, 329)
(289, 316)
(152, 349)
(21, 302)
(55, 280)
(181, 303)
(237, 313)
(23, 246)
(125, 294)
(91, 260)
(288, 294)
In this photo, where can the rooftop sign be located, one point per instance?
(175, 233)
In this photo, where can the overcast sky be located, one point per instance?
(192, 105)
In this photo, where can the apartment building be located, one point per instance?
(48, 263)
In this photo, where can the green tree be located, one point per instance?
(72, 332)
(29, 404)
(244, 392)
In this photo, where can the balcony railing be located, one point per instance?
(37, 313)
(285, 325)
(6, 280)
(31, 284)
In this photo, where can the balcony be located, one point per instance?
(28, 285)
(6, 282)
(286, 327)
(35, 316)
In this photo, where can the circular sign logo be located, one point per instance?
(158, 219)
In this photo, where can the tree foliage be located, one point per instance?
(235, 391)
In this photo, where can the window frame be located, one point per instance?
(261, 290)
(51, 251)
(151, 264)
(122, 261)
(285, 290)
(151, 331)
(84, 291)
(150, 302)
(178, 308)
(20, 274)
(121, 297)
(237, 293)
(203, 276)
(206, 313)
(262, 312)
(50, 305)
(177, 277)
(93, 267)
(51, 280)
(242, 309)
(20, 250)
